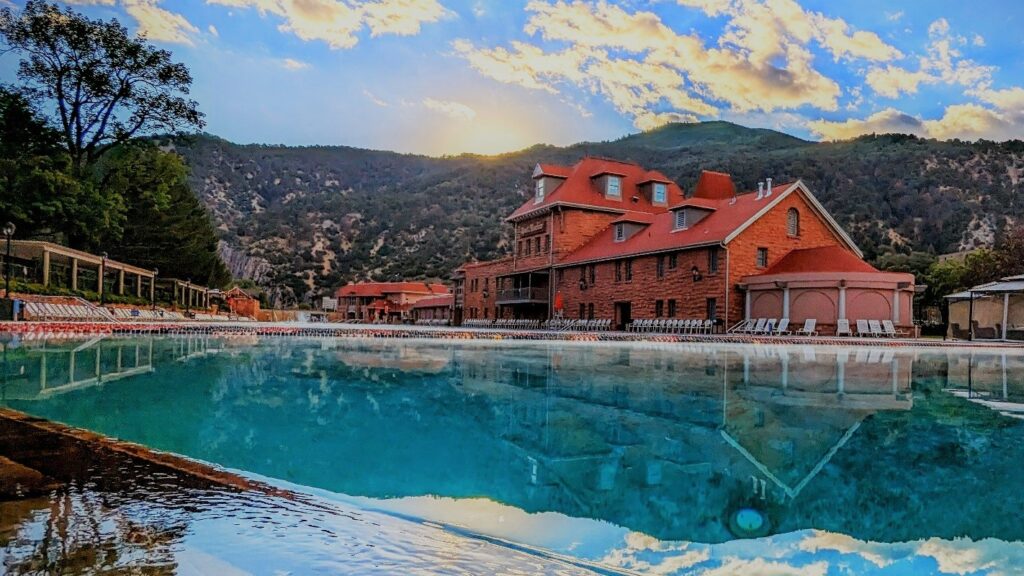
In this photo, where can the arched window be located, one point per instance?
(793, 222)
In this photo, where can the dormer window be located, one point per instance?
(539, 190)
(614, 187)
(680, 222)
(660, 193)
(620, 232)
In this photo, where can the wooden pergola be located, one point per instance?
(185, 293)
(48, 260)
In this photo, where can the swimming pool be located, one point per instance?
(667, 458)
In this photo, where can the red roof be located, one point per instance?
(825, 259)
(714, 186)
(728, 214)
(379, 289)
(435, 302)
(580, 188)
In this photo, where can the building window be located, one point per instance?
(659, 266)
(660, 193)
(485, 313)
(590, 311)
(672, 308)
(712, 308)
(561, 275)
(618, 271)
(793, 222)
(659, 308)
(519, 248)
(583, 310)
(713, 260)
(680, 219)
(629, 270)
(762, 257)
(539, 196)
(547, 243)
(526, 250)
(673, 261)
(614, 187)
(620, 232)
(593, 273)
(536, 244)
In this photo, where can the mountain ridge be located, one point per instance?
(313, 217)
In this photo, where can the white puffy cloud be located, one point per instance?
(655, 74)
(968, 121)
(337, 23)
(452, 109)
(943, 63)
(158, 24)
(293, 64)
(762, 567)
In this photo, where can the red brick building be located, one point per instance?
(432, 308)
(384, 301)
(609, 239)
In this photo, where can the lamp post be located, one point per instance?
(8, 233)
(103, 272)
(152, 297)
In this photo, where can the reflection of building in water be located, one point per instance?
(42, 370)
(708, 429)
(995, 380)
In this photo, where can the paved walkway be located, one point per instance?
(54, 330)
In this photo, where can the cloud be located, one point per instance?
(373, 98)
(87, 2)
(761, 567)
(943, 63)
(456, 110)
(337, 23)
(158, 24)
(968, 121)
(293, 64)
(213, 31)
(653, 73)
(894, 16)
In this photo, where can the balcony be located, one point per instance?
(522, 295)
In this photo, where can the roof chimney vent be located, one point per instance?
(760, 190)
(768, 187)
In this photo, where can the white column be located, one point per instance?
(785, 302)
(842, 303)
(896, 306)
(746, 306)
(1006, 312)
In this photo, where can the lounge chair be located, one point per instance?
(783, 328)
(809, 328)
(769, 327)
(876, 328)
(843, 328)
(890, 329)
(862, 328)
(758, 326)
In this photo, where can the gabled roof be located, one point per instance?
(824, 259)
(579, 188)
(379, 289)
(435, 301)
(727, 216)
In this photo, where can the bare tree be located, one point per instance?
(106, 86)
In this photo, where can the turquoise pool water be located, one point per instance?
(659, 458)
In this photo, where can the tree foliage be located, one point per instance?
(106, 86)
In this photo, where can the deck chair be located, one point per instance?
(890, 329)
(769, 326)
(862, 328)
(809, 328)
(783, 328)
(876, 328)
(843, 328)
(758, 326)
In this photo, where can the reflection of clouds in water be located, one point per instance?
(761, 567)
(649, 555)
(964, 555)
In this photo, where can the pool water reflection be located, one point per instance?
(657, 457)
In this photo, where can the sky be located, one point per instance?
(489, 76)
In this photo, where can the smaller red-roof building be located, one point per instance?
(384, 301)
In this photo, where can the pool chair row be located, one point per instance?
(148, 315)
(673, 326)
(72, 312)
(870, 329)
(432, 322)
(774, 327)
(591, 325)
(516, 323)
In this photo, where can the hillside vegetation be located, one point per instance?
(304, 220)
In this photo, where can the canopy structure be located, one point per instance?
(994, 310)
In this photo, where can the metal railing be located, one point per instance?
(523, 295)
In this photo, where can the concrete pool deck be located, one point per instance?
(56, 330)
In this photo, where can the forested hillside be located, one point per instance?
(307, 219)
